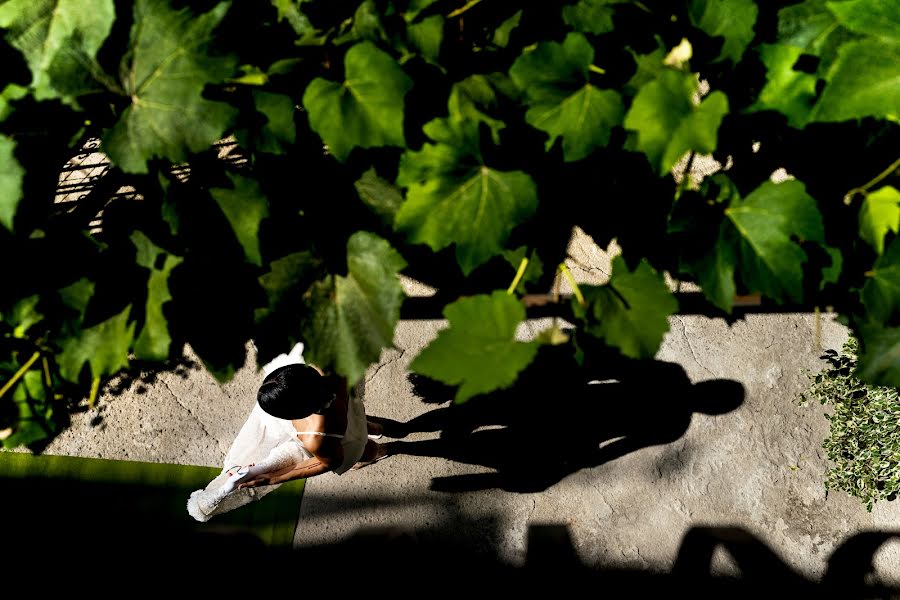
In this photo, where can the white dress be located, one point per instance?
(271, 444)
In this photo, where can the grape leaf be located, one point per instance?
(730, 19)
(879, 213)
(533, 270)
(10, 93)
(279, 132)
(353, 317)
(631, 311)
(164, 73)
(879, 362)
(153, 341)
(648, 66)
(812, 27)
(591, 16)
(667, 122)
(470, 98)
(562, 103)
(881, 292)
(23, 315)
(287, 276)
(11, 175)
(869, 17)
(790, 92)
(104, 347)
(366, 110)
(502, 33)
(50, 32)
(453, 198)
(379, 195)
(426, 36)
(864, 81)
(715, 271)
(33, 419)
(766, 221)
(245, 206)
(478, 351)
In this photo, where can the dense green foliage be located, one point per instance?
(439, 139)
(862, 445)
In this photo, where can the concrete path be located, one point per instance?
(759, 467)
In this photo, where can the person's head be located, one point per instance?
(295, 392)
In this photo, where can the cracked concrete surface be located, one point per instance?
(759, 467)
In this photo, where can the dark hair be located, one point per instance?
(295, 392)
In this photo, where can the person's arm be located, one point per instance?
(303, 470)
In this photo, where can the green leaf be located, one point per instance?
(23, 315)
(164, 73)
(279, 131)
(478, 351)
(533, 271)
(562, 103)
(353, 316)
(648, 68)
(502, 33)
(813, 27)
(365, 25)
(667, 122)
(766, 221)
(730, 19)
(879, 213)
(290, 10)
(53, 32)
(10, 93)
(470, 98)
(34, 412)
(379, 195)
(287, 276)
(77, 295)
(631, 312)
(790, 92)
(864, 81)
(104, 347)
(154, 340)
(245, 206)
(715, 271)
(591, 16)
(881, 292)
(426, 36)
(452, 199)
(366, 110)
(878, 18)
(879, 363)
(11, 176)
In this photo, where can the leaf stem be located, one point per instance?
(685, 176)
(523, 266)
(848, 197)
(19, 374)
(95, 389)
(575, 289)
(463, 9)
(596, 69)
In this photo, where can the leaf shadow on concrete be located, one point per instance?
(558, 419)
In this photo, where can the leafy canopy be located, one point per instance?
(278, 167)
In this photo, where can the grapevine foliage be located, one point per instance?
(439, 139)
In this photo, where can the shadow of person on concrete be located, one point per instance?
(559, 419)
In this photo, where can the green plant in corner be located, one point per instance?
(863, 443)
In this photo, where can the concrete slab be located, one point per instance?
(759, 467)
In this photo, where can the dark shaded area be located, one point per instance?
(391, 560)
(558, 419)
